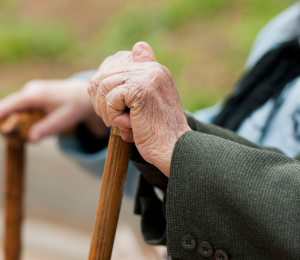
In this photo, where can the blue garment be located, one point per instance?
(275, 123)
(282, 130)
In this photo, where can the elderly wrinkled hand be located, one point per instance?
(65, 103)
(156, 119)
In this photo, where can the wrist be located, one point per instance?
(163, 158)
(163, 162)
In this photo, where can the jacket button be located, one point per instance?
(221, 255)
(205, 249)
(188, 242)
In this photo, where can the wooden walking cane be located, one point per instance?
(15, 129)
(110, 199)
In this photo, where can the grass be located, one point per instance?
(20, 40)
(139, 23)
(255, 14)
(156, 25)
(236, 22)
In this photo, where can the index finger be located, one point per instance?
(16, 102)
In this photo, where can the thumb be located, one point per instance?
(142, 52)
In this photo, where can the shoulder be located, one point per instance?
(281, 28)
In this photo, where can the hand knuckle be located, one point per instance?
(89, 90)
(94, 84)
(93, 81)
(31, 84)
(102, 88)
(28, 98)
(158, 74)
(166, 71)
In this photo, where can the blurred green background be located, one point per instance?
(203, 42)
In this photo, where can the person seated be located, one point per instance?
(267, 112)
(273, 122)
(226, 197)
(230, 186)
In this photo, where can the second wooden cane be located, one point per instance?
(110, 199)
(15, 129)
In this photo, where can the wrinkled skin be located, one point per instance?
(65, 103)
(118, 58)
(156, 119)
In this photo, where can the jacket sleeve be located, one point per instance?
(240, 199)
(155, 178)
(144, 194)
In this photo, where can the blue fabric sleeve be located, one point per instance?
(207, 115)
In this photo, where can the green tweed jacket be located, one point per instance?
(226, 198)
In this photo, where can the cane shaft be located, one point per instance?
(15, 129)
(110, 198)
(13, 198)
